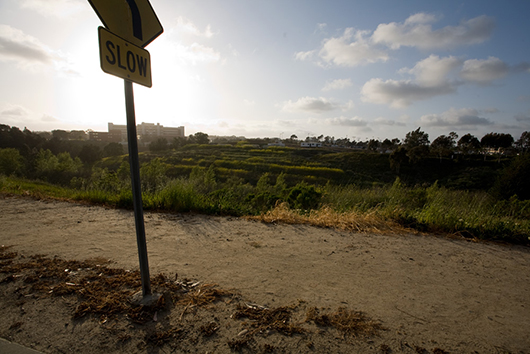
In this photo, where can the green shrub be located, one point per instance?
(304, 197)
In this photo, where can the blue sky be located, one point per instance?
(357, 69)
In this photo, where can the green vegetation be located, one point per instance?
(413, 187)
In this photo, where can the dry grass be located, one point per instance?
(346, 321)
(327, 217)
(263, 320)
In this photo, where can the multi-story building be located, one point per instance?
(145, 131)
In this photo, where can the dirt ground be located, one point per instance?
(419, 293)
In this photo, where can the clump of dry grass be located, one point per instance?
(346, 321)
(203, 295)
(264, 319)
(327, 217)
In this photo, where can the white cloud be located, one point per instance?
(302, 56)
(11, 110)
(417, 31)
(432, 77)
(400, 94)
(383, 121)
(349, 105)
(49, 119)
(338, 84)
(465, 117)
(348, 122)
(24, 49)
(352, 49)
(197, 53)
(29, 53)
(188, 27)
(57, 8)
(483, 72)
(433, 71)
(310, 104)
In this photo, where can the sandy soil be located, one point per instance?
(432, 294)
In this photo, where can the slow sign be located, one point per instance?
(123, 59)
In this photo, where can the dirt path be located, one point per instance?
(436, 292)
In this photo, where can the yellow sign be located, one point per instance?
(133, 20)
(123, 59)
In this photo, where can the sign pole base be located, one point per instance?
(137, 188)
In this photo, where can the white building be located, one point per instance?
(148, 130)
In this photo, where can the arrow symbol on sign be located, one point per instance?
(136, 18)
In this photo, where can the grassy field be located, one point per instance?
(352, 190)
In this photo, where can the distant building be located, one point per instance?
(310, 144)
(118, 133)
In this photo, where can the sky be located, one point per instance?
(345, 69)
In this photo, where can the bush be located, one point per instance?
(304, 197)
(514, 180)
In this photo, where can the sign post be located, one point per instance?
(136, 188)
(130, 26)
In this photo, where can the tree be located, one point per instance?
(373, 145)
(113, 149)
(468, 144)
(89, 154)
(416, 138)
(11, 162)
(497, 140)
(178, 142)
(398, 158)
(199, 138)
(444, 145)
(293, 137)
(523, 144)
(388, 145)
(159, 144)
(60, 134)
(417, 144)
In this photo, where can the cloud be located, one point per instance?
(338, 84)
(352, 49)
(57, 8)
(433, 71)
(465, 117)
(187, 27)
(13, 111)
(491, 110)
(17, 46)
(196, 53)
(417, 31)
(347, 122)
(49, 119)
(310, 104)
(401, 94)
(433, 76)
(522, 118)
(383, 121)
(302, 56)
(483, 72)
(29, 53)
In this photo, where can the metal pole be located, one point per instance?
(136, 188)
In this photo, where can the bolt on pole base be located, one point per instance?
(137, 189)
